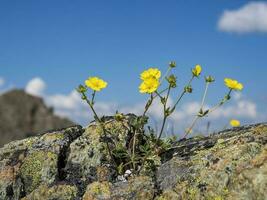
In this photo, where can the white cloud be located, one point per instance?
(252, 17)
(71, 106)
(74, 108)
(36, 87)
(240, 109)
(2, 81)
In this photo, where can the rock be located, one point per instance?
(25, 115)
(229, 165)
(58, 192)
(141, 187)
(28, 163)
(73, 164)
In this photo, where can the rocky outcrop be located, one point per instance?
(72, 164)
(25, 115)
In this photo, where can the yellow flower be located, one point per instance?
(233, 84)
(234, 123)
(150, 73)
(95, 83)
(197, 70)
(149, 85)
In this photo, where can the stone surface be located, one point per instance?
(72, 164)
(25, 115)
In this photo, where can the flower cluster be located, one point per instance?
(151, 80)
(145, 149)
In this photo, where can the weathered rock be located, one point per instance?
(73, 164)
(58, 192)
(229, 165)
(24, 115)
(28, 163)
(141, 187)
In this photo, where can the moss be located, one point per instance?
(168, 195)
(192, 193)
(50, 137)
(259, 130)
(97, 190)
(59, 192)
(142, 186)
(32, 168)
(103, 173)
(218, 198)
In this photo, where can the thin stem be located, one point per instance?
(221, 102)
(160, 92)
(93, 97)
(101, 124)
(179, 99)
(201, 107)
(205, 94)
(133, 151)
(147, 107)
(143, 161)
(162, 127)
(164, 112)
(167, 72)
(191, 127)
(183, 93)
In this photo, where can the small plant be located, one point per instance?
(142, 154)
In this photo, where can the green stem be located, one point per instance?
(133, 151)
(204, 96)
(162, 127)
(143, 162)
(179, 99)
(221, 103)
(167, 72)
(147, 107)
(201, 107)
(183, 93)
(191, 127)
(93, 97)
(164, 112)
(101, 124)
(157, 93)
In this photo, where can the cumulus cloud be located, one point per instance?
(71, 106)
(36, 87)
(252, 17)
(238, 108)
(2, 81)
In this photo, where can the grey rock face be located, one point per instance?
(72, 164)
(23, 115)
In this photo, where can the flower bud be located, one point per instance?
(81, 89)
(209, 79)
(188, 89)
(172, 80)
(196, 71)
(172, 64)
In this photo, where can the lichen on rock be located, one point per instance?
(73, 164)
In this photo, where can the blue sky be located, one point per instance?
(64, 42)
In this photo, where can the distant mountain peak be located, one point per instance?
(23, 115)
